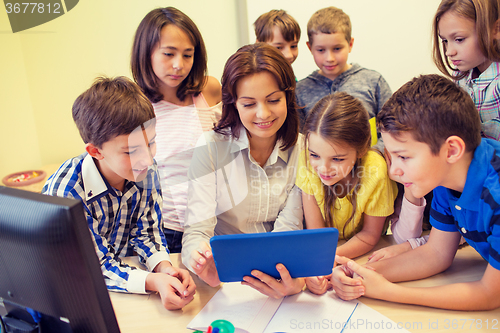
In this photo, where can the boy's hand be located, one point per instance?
(346, 284)
(376, 286)
(274, 288)
(174, 295)
(182, 275)
(202, 263)
(318, 284)
(390, 251)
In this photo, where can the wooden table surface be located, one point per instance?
(141, 313)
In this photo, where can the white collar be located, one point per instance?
(93, 182)
(242, 143)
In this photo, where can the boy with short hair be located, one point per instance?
(330, 42)
(277, 28)
(117, 182)
(432, 131)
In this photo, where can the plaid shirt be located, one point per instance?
(485, 92)
(120, 222)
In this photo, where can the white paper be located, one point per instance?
(368, 320)
(250, 311)
(246, 308)
(307, 312)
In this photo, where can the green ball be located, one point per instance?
(224, 326)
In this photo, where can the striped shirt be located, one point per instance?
(475, 212)
(119, 222)
(485, 92)
(177, 131)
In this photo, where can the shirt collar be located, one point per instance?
(487, 76)
(242, 143)
(94, 184)
(476, 176)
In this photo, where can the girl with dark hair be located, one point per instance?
(169, 63)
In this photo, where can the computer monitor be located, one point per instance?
(48, 264)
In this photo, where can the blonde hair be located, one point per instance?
(329, 20)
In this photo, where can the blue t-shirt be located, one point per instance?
(475, 212)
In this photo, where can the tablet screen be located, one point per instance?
(304, 253)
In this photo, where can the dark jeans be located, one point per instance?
(174, 240)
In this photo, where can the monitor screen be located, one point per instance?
(48, 263)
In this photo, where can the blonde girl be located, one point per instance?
(169, 63)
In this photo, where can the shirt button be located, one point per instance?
(457, 207)
(463, 230)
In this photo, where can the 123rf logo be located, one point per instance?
(26, 15)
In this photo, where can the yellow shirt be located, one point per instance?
(375, 195)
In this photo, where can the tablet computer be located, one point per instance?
(304, 253)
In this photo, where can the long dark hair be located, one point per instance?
(147, 37)
(248, 60)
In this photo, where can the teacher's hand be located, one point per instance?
(272, 287)
(203, 265)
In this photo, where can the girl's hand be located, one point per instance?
(390, 251)
(318, 284)
(275, 288)
(202, 263)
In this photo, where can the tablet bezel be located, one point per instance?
(304, 253)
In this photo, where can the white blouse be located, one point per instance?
(230, 193)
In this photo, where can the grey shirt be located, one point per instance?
(365, 84)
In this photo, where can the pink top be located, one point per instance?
(177, 131)
(408, 225)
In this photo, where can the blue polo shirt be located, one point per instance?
(475, 212)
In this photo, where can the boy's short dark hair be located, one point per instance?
(329, 20)
(432, 108)
(109, 108)
(288, 26)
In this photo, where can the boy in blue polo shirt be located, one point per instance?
(432, 130)
(117, 182)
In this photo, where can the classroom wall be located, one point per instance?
(43, 69)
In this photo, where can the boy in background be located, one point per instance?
(117, 182)
(432, 131)
(277, 28)
(330, 42)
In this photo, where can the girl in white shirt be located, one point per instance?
(169, 63)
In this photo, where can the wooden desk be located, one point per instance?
(467, 266)
(144, 313)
